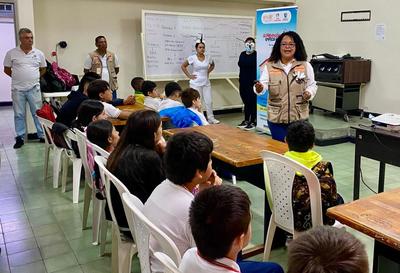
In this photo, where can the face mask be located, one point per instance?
(249, 47)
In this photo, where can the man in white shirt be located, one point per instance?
(25, 65)
(173, 93)
(103, 62)
(188, 170)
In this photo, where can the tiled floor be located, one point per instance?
(40, 228)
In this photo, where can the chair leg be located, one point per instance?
(56, 166)
(114, 250)
(46, 162)
(86, 205)
(269, 239)
(64, 171)
(103, 234)
(233, 179)
(76, 179)
(98, 209)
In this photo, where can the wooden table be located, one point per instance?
(238, 152)
(377, 216)
(133, 108)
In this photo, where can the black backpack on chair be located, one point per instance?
(49, 82)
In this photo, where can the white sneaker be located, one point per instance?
(213, 121)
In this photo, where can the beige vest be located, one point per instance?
(285, 100)
(97, 67)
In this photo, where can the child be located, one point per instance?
(136, 84)
(173, 93)
(220, 222)
(103, 134)
(136, 160)
(327, 249)
(88, 111)
(191, 100)
(300, 139)
(151, 97)
(100, 90)
(187, 163)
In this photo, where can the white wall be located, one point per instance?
(320, 27)
(7, 30)
(79, 21)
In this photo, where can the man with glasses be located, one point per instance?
(25, 65)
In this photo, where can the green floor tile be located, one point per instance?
(73, 269)
(55, 249)
(36, 267)
(25, 257)
(50, 239)
(60, 262)
(20, 246)
(44, 230)
(18, 235)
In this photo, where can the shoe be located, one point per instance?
(41, 140)
(33, 136)
(243, 124)
(213, 121)
(250, 126)
(19, 141)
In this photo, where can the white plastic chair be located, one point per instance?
(48, 143)
(98, 205)
(279, 173)
(142, 228)
(76, 167)
(167, 262)
(122, 250)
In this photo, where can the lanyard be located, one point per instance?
(218, 263)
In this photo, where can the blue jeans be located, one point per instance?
(278, 130)
(259, 267)
(19, 98)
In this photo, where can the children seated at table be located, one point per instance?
(103, 134)
(173, 97)
(88, 111)
(327, 249)
(136, 84)
(136, 160)
(152, 98)
(192, 101)
(100, 90)
(69, 109)
(188, 168)
(220, 219)
(300, 139)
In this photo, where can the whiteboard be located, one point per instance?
(168, 38)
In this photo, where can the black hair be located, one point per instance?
(86, 111)
(186, 153)
(199, 43)
(96, 87)
(300, 136)
(147, 87)
(249, 39)
(137, 83)
(188, 96)
(139, 130)
(300, 52)
(171, 88)
(217, 216)
(96, 40)
(87, 78)
(99, 131)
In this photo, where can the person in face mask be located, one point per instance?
(247, 76)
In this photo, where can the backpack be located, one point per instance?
(46, 112)
(49, 82)
(63, 75)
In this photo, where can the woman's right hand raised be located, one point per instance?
(259, 87)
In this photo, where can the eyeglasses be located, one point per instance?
(291, 45)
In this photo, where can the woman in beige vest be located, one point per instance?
(289, 78)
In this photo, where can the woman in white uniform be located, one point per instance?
(199, 79)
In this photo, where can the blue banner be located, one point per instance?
(270, 23)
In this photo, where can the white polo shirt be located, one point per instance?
(168, 208)
(25, 68)
(200, 115)
(111, 110)
(153, 103)
(168, 103)
(192, 262)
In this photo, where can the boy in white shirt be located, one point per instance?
(173, 93)
(220, 219)
(100, 90)
(192, 101)
(152, 98)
